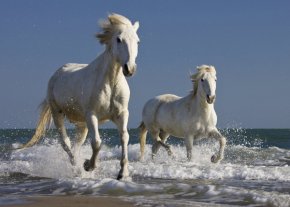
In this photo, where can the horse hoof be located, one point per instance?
(123, 175)
(87, 166)
(214, 159)
(120, 176)
(141, 159)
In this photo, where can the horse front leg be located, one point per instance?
(222, 141)
(188, 145)
(92, 124)
(121, 121)
(81, 134)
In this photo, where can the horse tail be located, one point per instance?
(142, 139)
(43, 122)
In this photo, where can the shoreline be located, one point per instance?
(68, 201)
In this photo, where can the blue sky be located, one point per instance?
(247, 41)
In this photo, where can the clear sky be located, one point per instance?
(247, 41)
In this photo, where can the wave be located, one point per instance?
(247, 175)
(240, 162)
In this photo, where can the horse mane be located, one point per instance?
(201, 70)
(110, 26)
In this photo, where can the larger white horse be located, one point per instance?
(191, 117)
(88, 95)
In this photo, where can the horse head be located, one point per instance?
(120, 36)
(205, 82)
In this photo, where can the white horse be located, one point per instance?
(191, 117)
(88, 95)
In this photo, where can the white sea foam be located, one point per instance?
(52, 162)
(258, 164)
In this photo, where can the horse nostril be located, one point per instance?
(126, 68)
(126, 71)
(129, 71)
(210, 99)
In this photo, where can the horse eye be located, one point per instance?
(119, 40)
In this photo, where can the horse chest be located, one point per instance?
(108, 102)
(101, 102)
(204, 123)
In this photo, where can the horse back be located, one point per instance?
(152, 107)
(67, 91)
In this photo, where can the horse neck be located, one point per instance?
(200, 103)
(107, 68)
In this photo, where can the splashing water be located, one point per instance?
(252, 172)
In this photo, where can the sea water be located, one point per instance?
(254, 172)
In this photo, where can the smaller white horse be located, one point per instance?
(191, 117)
(88, 95)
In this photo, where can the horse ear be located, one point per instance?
(136, 26)
(102, 38)
(199, 68)
(194, 78)
(113, 19)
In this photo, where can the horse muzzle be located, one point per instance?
(210, 99)
(128, 71)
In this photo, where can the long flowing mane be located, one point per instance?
(110, 26)
(201, 70)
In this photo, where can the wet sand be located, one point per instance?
(71, 201)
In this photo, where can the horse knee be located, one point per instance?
(223, 141)
(96, 144)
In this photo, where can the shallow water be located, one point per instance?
(254, 172)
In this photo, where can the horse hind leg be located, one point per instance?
(155, 147)
(142, 140)
(65, 141)
(188, 145)
(164, 136)
(81, 134)
(156, 143)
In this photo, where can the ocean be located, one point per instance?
(254, 172)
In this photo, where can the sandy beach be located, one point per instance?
(71, 201)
